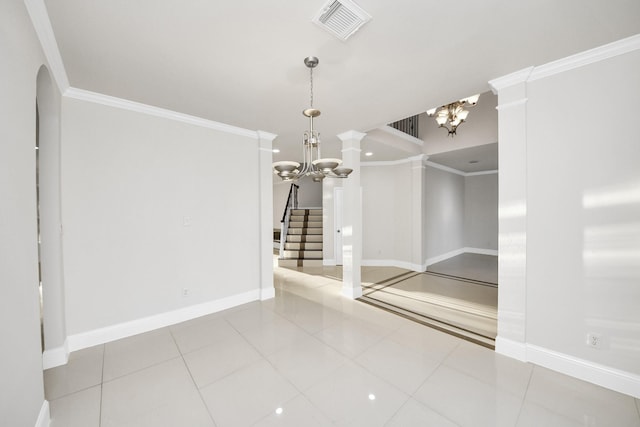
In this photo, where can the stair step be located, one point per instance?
(306, 218)
(305, 224)
(314, 246)
(302, 254)
(305, 231)
(306, 212)
(293, 238)
(300, 263)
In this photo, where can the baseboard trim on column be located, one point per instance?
(353, 293)
(56, 356)
(44, 417)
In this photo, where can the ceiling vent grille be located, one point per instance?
(342, 18)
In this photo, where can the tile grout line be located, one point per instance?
(104, 351)
(524, 397)
(193, 381)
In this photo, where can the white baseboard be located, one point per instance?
(451, 254)
(513, 349)
(481, 251)
(266, 294)
(352, 293)
(329, 262)
(44, 417)
(391, 263)
(443, 257)
(56, 356)
(138, 326)
(611, 378)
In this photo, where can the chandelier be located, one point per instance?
(452, 115)
(312, 165)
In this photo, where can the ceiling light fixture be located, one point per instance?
(452, 115)
(312, 165)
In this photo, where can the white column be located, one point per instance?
(512, 212)
(265, 177)
(417, 212)
(352, 216)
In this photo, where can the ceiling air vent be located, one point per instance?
(341, 18)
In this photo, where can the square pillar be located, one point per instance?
(352, 216)
(512, 212)
(265, 175)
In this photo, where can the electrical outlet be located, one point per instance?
(594, 340)
(186, 292)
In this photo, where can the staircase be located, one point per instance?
(303, 244)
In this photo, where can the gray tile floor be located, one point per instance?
(312, 358)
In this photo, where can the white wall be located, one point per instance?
(569, 215)
(21, 386)
(444, 212)
(149, 209)
(583, 233)
(481, 211)
(386, 213)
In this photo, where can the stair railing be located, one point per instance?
(292, 203)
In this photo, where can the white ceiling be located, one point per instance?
(240, 62)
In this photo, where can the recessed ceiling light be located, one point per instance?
(279, 411)
(368, 154)
(372, 396)
(473, 162)
(275, 150)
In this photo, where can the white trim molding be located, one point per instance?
(443, 257)
(146, 324)
(268, 293)
(44, 417)
(352, 292)
(481, 251)
(614, 379)
(111, 101)
(351, 134)
(329, 262)
(392, 263)
(56, 356)
(611, 378)
(510, 348)
(619, 47)
(509, 80)
(490, 172)
(42, 25)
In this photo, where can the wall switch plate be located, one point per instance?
(186, 292)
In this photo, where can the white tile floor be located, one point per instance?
(324, 360)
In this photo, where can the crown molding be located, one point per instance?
(491, 172)
(387, 162)
(610, 50)
(42, 26)
(111, 101)
(351, 135)
(266, 136)
(395, 132)
(445, 168)
(512, 79)
(619, 47)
